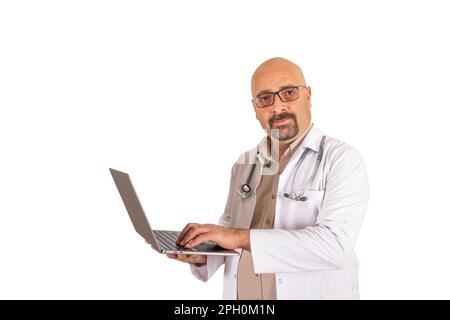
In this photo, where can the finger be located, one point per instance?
(172, 256)
(183, 258)
(184, 231)
(194, 232)
(199, 229)
(188, 258)
(200, 239)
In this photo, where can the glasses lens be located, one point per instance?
(289, 94)
(264, 100)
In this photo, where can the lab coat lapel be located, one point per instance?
(247, 206)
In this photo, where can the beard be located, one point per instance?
(284, 132)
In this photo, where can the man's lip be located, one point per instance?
(281, 122)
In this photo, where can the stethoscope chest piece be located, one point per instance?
(245, 188)
(245, 191)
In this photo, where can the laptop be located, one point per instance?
(163, 241)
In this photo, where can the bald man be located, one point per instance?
(295, 204)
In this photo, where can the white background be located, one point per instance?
(161, 89)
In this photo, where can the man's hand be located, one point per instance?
(195, 259)
(229, 238)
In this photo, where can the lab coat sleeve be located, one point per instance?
(213, 263)
(329, 243)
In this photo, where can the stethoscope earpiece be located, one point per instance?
(303, 198)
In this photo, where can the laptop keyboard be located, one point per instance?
(168, 239)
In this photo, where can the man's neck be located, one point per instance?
(281, 145)
(284, 145)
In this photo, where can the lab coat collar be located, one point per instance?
(311, 140)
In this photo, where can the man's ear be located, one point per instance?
(254, 109)
(308, 96)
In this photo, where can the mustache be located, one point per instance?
(281, 116)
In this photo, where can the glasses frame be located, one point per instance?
(278, 94)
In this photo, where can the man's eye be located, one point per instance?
(265, 98)
(289, 92)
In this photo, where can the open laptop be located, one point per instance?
(161, 240)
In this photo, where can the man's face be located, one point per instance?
(291, 118)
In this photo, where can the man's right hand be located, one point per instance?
(195, 259)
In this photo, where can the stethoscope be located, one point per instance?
(245, 189)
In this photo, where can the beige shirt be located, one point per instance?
(252, 286)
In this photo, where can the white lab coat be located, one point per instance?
(311, 247)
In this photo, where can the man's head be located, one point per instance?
(289, 114)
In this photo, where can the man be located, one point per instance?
(295, 204)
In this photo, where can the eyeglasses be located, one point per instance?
(287, 94)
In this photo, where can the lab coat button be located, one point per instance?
(268, 221)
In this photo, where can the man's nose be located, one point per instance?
(278, 105)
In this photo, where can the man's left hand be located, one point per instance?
(228, 238)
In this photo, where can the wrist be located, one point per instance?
(244, 239)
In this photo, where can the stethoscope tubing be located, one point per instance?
(245, 189)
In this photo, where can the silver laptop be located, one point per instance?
(161, 240)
